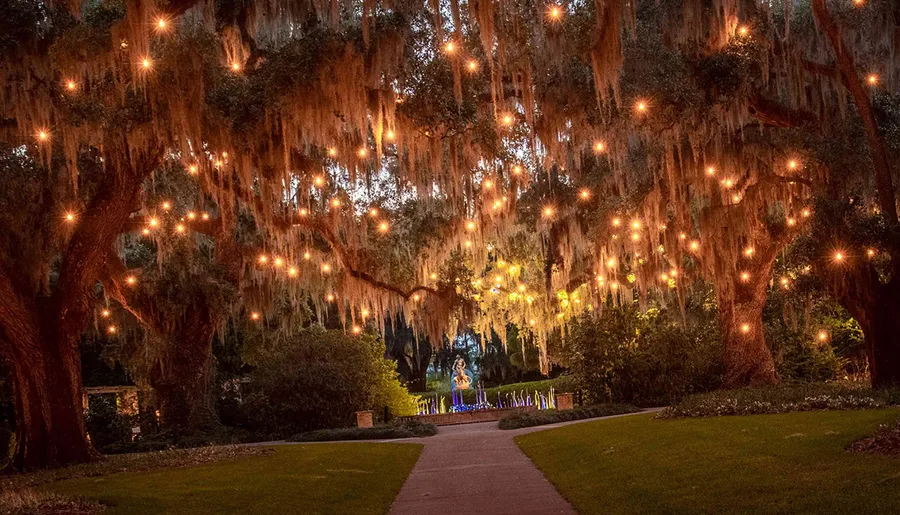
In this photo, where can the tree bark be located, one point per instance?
(50, 429)
(748, 360)
(182, 378)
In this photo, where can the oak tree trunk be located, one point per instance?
(748, 360)
(183, 377)
(50, 429)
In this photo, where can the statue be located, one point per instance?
(462, 378)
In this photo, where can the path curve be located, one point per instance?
(477, 469)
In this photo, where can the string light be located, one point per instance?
(43, 135)
(111, 329)
(792, 164)
(416, 297)
(236, 66)
(611, 263)
(710, 171)
(191, 215)
(105, 313)
(332, 151)
(357, 329)
(70, 217)
(472, 65)
(870, 253)
(785, 282)
(635, 224)
(548, 211)
(292, 271)
(743, 30)
(584, 194)
(449, 47)
(745, 328)
(278, 262)
(872, 79)
(555, 12)
(839, 256)
(640, 106)
(307, 256)
(745, 276)
(599, 147)
(507, 120)
(335, 203)
(146, 63)
(383, 227)
(517, 170)
(362, 152)
(192, 169)
(166, 205)
(71, 86)
(254, 316)
(326, 268)
(488, 184)
(823, 336)
(616, 222)
(205, 216)
(179, 228)
(263, 259)
(470, 225)
(390, 135)
(749, 251)
(154, 222)
(791, 222)
(161, 24)
(695, 245)
(805, 213)
(330, 297)
(131, 280)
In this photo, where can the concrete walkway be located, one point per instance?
(477, 469)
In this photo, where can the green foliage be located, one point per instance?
(106, 426)
(782, 399)
(649, 358)
(541, 418)
(406, 429)
(316, 378)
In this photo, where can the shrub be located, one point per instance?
(540, 418)
(409, 429)
(781, 399)
(105, 425)
(315, 379)
(645, 358)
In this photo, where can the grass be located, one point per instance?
(309, 479)
(786, 463)
(541, 418)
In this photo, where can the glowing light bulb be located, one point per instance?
(488, 184)
(823, 336)
(278, 262)
(192, 169)
(584, 194)
(792, 164)
(710, 171)
(263, 259)
(318, 180)
(682, 236)
(307, 256)
(839, 256)
(131, 280)
(179, 228)
(105, 313)
(191, 215)
(383, 227)
(145, 231)
(335, 203)
(611, 263)
(71, 86)
(154, 222)
(161, 23)
(416, 297)
(332, 151)
(111, 329)
(695, 245)
(433, 276)
(599, 147)
(43, 135)
(329, 297)
(450, 47)
(236, 66)
(635, 224)
(166, 205)
(870, 252)
(555, 12)
(357, 329)
(872, 79)
(805, 213)
(635, 236)
(390, 135)
(145, 63)
(326, 268)
(362, 152)
(70, 217)
(748, 251)
(292, 271)
(517, 170)
(727, 183)
(472, 65)
(507, 119)
(468, 244)
(254, 316)
(640, 106)
(745, 328)
(303, 211)
(205, 216)
(785, 282)
(791, 222)
(745, 276)
(548, 212)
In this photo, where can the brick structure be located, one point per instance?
(363, 419)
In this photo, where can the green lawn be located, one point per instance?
(791, 463)
(315, 478)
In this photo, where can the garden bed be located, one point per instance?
(469, 417)
(540, 418)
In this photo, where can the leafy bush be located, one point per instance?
(541, 418)
(644, 358)
(105, 425)
(409, 429)
(781, 399)
(317, 379)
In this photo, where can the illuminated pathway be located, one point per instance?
(476, 469)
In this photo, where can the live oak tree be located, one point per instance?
(566, 150)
